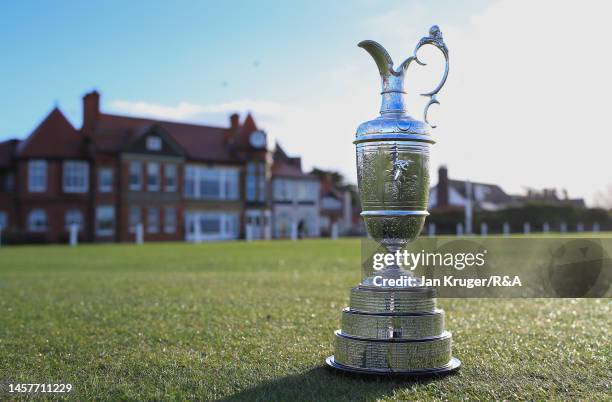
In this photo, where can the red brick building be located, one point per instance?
(181, 181)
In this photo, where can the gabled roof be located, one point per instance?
(286, 166)
(204, 143)
(55, 137)
(8, 150)
(490, 192)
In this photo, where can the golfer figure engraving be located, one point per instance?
(394, 330)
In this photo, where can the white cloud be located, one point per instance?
(182, 111)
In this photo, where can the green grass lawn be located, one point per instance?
(255, 321)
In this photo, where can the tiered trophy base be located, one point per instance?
(393, 331)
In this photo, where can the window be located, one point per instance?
(37, 221)
(154, 143)
(261, 182)
(135, 176)
(190, 181)
(3, 220)
(105, 220)
(153, 176)
(256, 181)
(134, 218)
(152, 220)
(211, 225)
(76, 176)
(170, 220)
(250, 181)
(7, 182)
(284, 190)
(37, 176)
(170, 177)
(211, 183)
(105, 180)
(73, 216)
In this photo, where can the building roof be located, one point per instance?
(199, 142)
(482, 192)
(287, 166)
(54, 137)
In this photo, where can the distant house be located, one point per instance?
(336, 208)
(449, 193)
(179, 181)
(295, 197)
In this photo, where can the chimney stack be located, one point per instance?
(91, 111)
(232, 132)
(442, 187)
(234, 121)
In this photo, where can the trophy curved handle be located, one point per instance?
(435, 39)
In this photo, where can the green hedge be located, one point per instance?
(534, 213)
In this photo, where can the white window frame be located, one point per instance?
(101, 210)
(170, 225)
(154, 143)
(37, 176)
(75, 176)
(170, 171)
(261, 181)
(42, 217)
(105, 174)
(251, 181)
(153, 212)
(135, 170)
(68, 219)
(153, 172)
(227, 177)
(228, 225)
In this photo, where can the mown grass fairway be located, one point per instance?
(255, 321)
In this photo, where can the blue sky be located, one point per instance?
(296, 65)
(167, 52)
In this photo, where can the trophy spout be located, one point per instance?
(392, 79)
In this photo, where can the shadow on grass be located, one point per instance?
(323, 383)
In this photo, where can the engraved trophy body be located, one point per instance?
(394, 329)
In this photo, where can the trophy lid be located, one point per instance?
(394, 123)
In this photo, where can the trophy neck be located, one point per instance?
(392, 103)
(392, 92)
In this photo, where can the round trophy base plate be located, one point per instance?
(452, 365)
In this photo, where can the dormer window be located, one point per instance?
(154, 143)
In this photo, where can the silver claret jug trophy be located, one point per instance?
(394, 329)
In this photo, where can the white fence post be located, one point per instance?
(545, 227)
(526, 228)
(334, 231)
(595, 228)
(506, 229)
(139, 233)
(484, 229)
(294, 231)
(249, 232)
(431, 230)
(460, 229)
(74, 235)
(563, 227)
